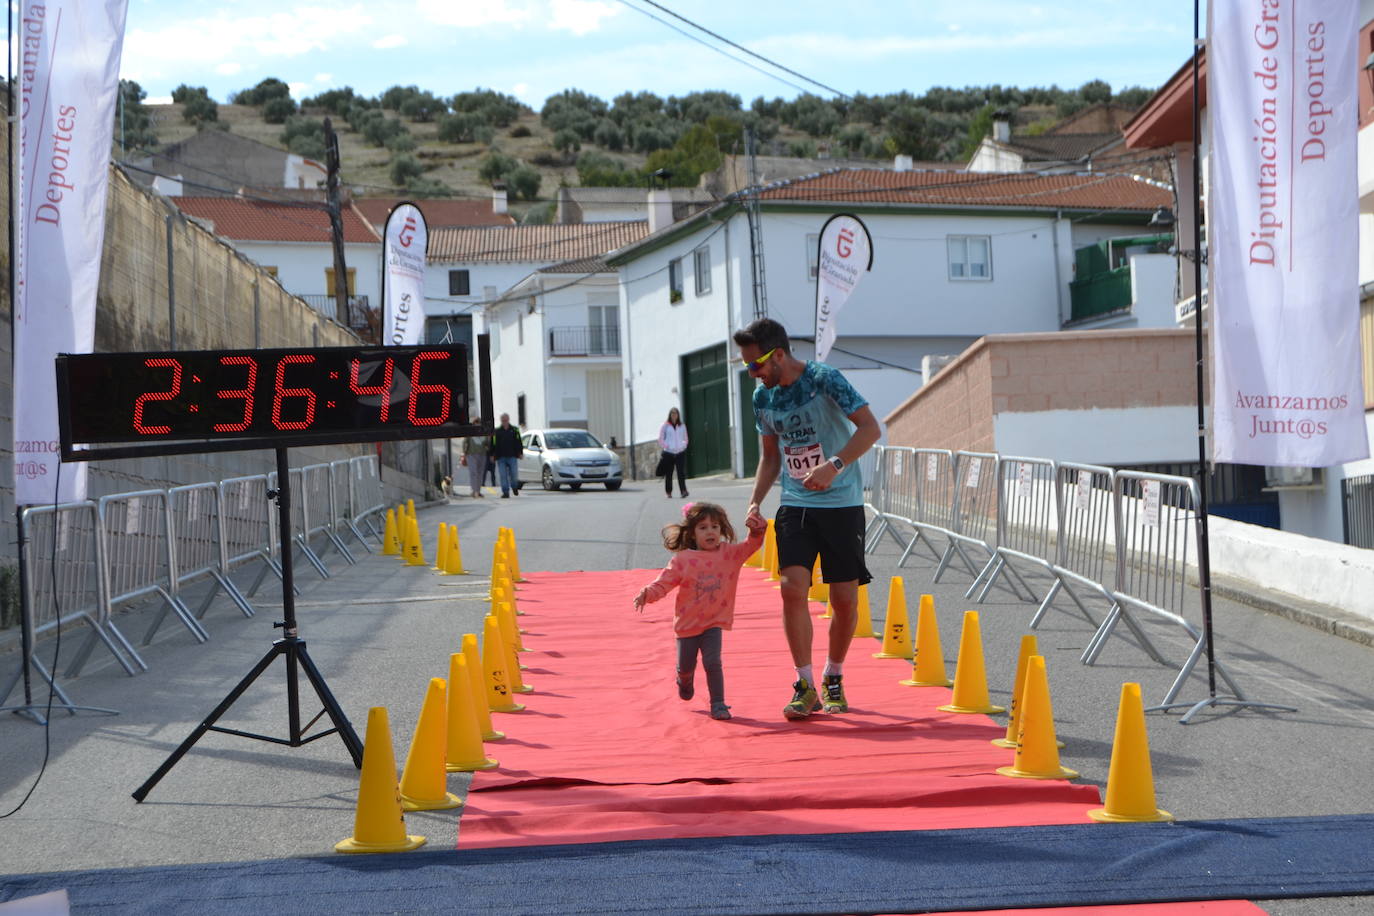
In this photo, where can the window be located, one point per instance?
(603, 329)
(520, 410)
(970, 257)
(459, 283)
(701, 264)
(675, 280)
(813, 248)
(329, 281)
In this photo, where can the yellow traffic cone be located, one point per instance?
(465, 752)
(391, 541)
(927, 658)
(863, 622)
(454, 557)
(378, 825)
(829, 610)
(970, 676)
(424, 783)
(770, 553)
(500, 577)
(517, 683)
(1130, 781)
(819, 590)
(755, 559)
(481, 702)
(496, 665)
(410, 509)
(1029, 647)
(505, 612)
(1037, 750)
(896, 632)
(415, 553)
(513, 556)
(441, 548)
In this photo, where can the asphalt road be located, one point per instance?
(379, 630)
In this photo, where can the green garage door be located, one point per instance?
(748, 426)
(706, 409)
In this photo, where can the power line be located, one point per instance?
(771, 63)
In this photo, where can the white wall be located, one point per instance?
(991, 158)
(1138, 435)
(301, 265)
(1318, 513)
(518, 367)
(1153, 278)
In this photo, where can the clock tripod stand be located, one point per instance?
(289, 647)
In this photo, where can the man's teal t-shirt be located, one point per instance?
(810, 417)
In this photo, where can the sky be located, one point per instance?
(532, 49)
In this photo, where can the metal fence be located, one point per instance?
(1126, 537)
(1357, 510)
(86, 559)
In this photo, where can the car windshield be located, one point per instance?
(575, 439)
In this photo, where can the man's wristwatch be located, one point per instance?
(837, 462)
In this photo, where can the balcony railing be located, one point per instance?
(357, 308)
(587, 340)
(1105, 292)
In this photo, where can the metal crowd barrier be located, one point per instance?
(342, 499)
(136, 529)
(1026, 531)
(1086, 529)
(366, 500)
(300, 519)
(198, 535)
(247, 526)
(1156, 519)
(975, 510)
(319, 509)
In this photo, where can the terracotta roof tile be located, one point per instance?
(259, 221)
(551, 243)
(437, 211)
(973, 189)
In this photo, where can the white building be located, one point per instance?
(956, 256)
(292, 240)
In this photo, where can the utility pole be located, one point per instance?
(755, 231)
(341, 291)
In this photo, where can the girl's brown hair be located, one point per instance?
(682, 535)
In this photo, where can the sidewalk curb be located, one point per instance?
(1318, 616)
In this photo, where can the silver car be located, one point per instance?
(568, 456)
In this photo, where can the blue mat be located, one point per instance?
(900, 871)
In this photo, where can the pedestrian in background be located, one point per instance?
(475, 459)
(672, 438)
(507, 448)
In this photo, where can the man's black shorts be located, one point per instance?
(835, 534)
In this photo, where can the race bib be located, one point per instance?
(800, 459)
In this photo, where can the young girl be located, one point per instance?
(705, 569)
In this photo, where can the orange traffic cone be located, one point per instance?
(1029, 647)
(1037, 750)
(424, 784)
(415, 549)
(378, 825)
(517, 683)
(819, 590)
(770, 553)
(391, 541)
(441, 548)
(1130, 782)
(927, 658)
(454, 566)
(970, 675)
(481, 701)
(863, 622)
(465, 752)
(496, 664)
(896, 633)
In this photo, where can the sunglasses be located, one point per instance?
(754, 365)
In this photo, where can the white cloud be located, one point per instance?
(299, 90)
(579, 16)
(389, 41)
(228, 68)
(223, 38)
(475, 15)
(324, 77)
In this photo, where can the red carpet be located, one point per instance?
(606, 750)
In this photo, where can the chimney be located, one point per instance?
(902, 163)
(1001, 125)
(660, 209)
(498, 197)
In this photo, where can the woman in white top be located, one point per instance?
(672, 438)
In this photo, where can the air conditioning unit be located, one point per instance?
(1293, 478)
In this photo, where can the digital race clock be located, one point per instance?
(212, 400)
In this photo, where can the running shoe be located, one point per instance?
(720, 711)
(686, 686)
(833, 692)
(804, 701)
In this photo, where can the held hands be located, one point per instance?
(754, 522)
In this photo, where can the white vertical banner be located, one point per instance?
(844, 254)
(67, 74)
(1284, 233)
(404, 245)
